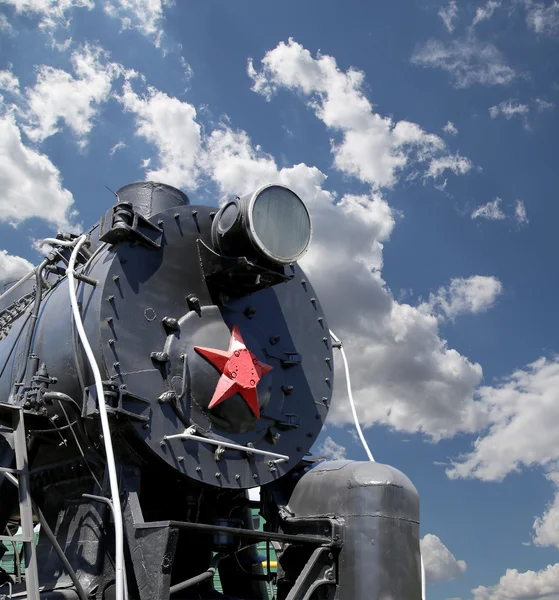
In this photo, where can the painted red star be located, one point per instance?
(240, 371)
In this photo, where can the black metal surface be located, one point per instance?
(379, 507)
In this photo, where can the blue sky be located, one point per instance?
(423, 136)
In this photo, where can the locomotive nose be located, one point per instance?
(273, 223)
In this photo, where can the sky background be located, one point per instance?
(423, 137)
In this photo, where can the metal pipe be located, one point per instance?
(198, 578)
(187, 435)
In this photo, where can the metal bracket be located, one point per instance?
(237, 274)
(122, 222)
(119, 402)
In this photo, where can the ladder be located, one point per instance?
(20, 477)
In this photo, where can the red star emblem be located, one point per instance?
(240, 371)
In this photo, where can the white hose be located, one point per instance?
(55, 242)
(107, 440)
(360, 433)
(349, 393)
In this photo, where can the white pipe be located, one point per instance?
(17, 284)
(107, 440)
(55, 242)
(351, 401)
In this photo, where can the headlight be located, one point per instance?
(273, 222)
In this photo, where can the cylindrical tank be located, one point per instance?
(379, 506)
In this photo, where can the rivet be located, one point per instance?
(116, 365)
(237, 476)
(110, 298)
(109, 319)
(180, 458)
(249, 311)
(274, 339)
(162, 443)
(111, 342)
(327, 359)
(160, 222)
(287, 389)
(255, 475)
(194, 213)
(218, 475)
(116, 277)
(198, 469)
(176, 215)
(212, 215)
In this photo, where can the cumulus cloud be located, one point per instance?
(523, 416)
(31, 185)
(529, 585)
(491, 211)
(459, 165)
(170, 125)
(59, 97)
(373, 148)
(440, 564)
(473, 295)
(468, 62)
(450, 128)
(331, 450)
(448, 14)
(546, 527)
(542, 18)
(51, 13)
(485, 12)
(145, 16)
(12, 268)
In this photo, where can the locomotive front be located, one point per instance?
(162, 365)
(213, 347)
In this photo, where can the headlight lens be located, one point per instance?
(273, 222)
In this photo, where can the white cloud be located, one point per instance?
(5, 25)
(9, 83)
(459, 165)
(331, 450)
(450, 128)
(509, 109)
(543, 18)
(523, 416)
(117, 146)
(529, 585)
(31, 185)
(474, 295)
(51, 13)
(144, 15)
(448, 14)
(373, 148)
(440, 564)
(12, 268)
(170, 125)
(546, 527)
(59, 96)
(484, 13)
(468, 61)
(491, 211)
(520, 213)
(543, 105)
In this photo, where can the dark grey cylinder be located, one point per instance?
(380, 558)
(150, 198)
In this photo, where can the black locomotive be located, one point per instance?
(162, 365)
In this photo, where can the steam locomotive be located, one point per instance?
(162, 365)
